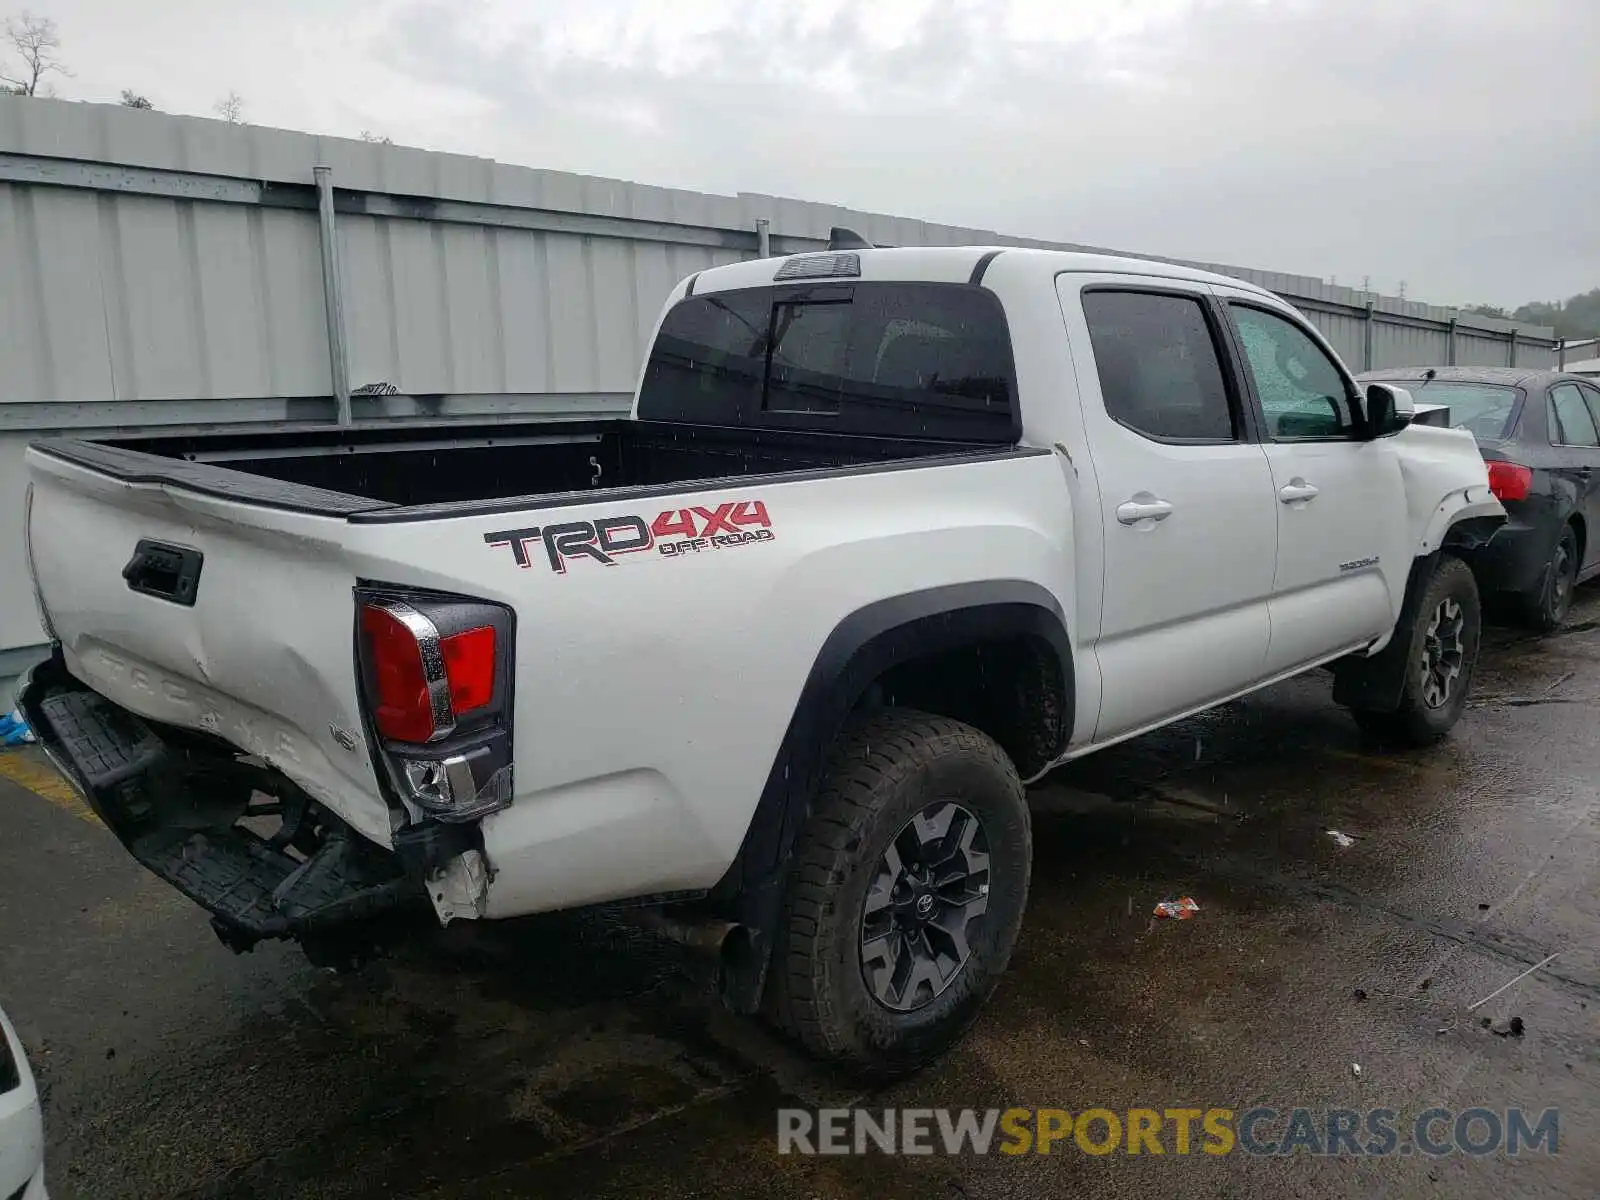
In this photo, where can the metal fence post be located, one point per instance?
(1450, 344)
(1366, 346)
(332, 295)
(763, 237)
(1561, 354)
(1512, 354)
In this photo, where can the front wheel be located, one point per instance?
(905, 893)
(1445, 634)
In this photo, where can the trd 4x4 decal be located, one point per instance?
(674, 533)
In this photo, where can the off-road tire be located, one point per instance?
(1415, 722)
(887, 769)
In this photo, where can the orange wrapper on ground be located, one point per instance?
(1178, 910)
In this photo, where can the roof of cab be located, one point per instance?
(956, 264)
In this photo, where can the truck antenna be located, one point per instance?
(842, 238)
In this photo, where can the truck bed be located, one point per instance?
(479, 468)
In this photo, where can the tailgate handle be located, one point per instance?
(165, 572)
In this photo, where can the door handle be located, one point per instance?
(1297, 489)
(1131, 512)
(165, 572)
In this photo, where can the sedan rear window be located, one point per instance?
(1484, 410)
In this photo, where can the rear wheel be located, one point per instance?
(1545, 607)
(1445, 635)
(905, 894)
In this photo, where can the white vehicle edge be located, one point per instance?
(21, 1122)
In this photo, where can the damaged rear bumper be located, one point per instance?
(237, 838)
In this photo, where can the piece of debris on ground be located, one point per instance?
(1177, 910)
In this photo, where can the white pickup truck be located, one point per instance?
(889, 534)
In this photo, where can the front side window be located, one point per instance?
(1160, 374)
(1303, 393)
(890, 359)
(1571, 423)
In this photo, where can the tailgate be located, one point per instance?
(213, 613)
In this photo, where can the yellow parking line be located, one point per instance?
(29, 768)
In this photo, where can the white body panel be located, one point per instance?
(21, 1129)
(265, 658)
(703, 655)
(659, 787)
(1342, 558)
(651, 696)
(1184, 598)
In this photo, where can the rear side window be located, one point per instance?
(1160, 374)
(1571, 424)
(889, 359)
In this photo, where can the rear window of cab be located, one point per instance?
(893, 359)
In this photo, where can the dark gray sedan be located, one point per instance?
(1539, 431)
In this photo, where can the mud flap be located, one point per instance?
(1375, 683)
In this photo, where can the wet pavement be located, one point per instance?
(575, 1056)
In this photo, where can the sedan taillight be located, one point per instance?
(1509, 480)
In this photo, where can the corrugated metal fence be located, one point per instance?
(161, 271)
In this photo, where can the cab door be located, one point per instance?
(1186, 503)
(1344, 551)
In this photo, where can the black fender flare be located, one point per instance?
(861, 647)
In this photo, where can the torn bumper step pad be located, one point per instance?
(254, 888)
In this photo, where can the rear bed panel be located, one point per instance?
(264, 658)
(663, 634)
(653, 691)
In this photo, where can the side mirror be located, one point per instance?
(1389, 409)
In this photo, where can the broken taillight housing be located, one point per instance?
(437, 681)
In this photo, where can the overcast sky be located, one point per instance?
(1452, 144)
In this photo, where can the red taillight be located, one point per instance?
(403, 709)
(469, 664)
(1509, 481)
(436, 687)
(401, 667)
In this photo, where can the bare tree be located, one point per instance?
(377, 139)
(132, 99)
(37, 42)
(230, 108)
